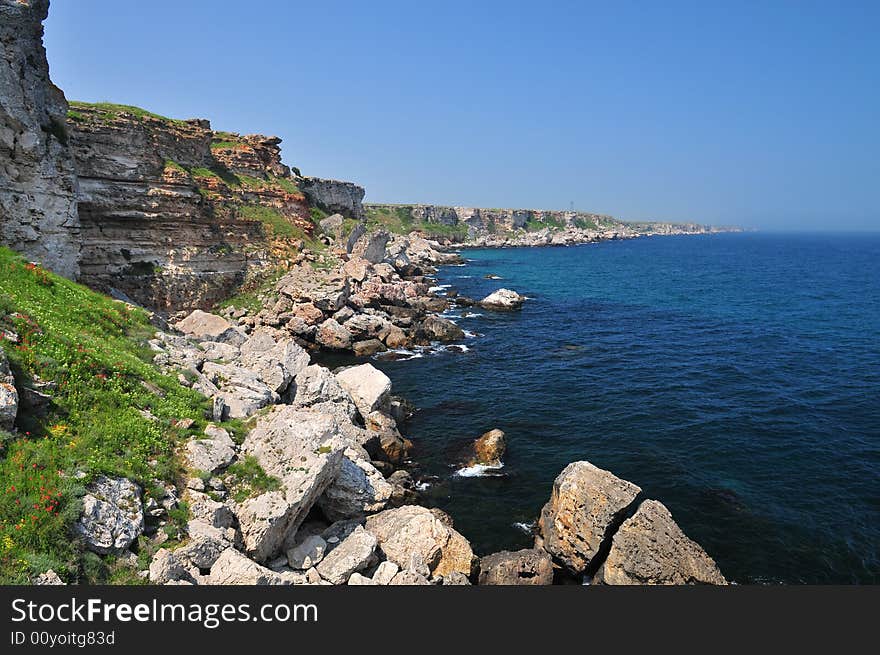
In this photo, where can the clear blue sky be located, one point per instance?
(755, 113)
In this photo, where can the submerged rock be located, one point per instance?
(650, 548)
(586, 505)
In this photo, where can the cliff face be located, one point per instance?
(492, 227)
(175, 215)
(334, 197)
(38, 215)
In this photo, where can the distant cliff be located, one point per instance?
(38, 215)
(497, 227)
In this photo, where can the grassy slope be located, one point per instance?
(399, 220)
(93, 348)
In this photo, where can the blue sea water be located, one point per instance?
(734, 377)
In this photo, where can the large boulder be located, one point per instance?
(331, 225)
(358, 490)
(112, 516)
(368, 387)
(8, 394)
(233, 568)
(216, 451)
(307, 553)
(489, 448)
(333, 336)
(277, 363)
(586, 505)
(650, 548)
(371, 246)
(242, 391)
(435, 328)
(316, 385)
(412, 533)
(208, 327)
(531, 566)
(503, 300)
(294, 446)
(354, 553)
(327, 291)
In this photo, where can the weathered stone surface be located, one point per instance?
(385, 572)
(327, 291)
(357, 490)
(242, 390)
(233, 568)
(334, 196)
(307, 553)
(211, 454)
(8, 394)
(650, 548)
(368, 387)
(531, 566)
(332, 224)
(435, 328)
(203, 326)
(371, 246)
(276, 363)
(333, 336)
(38, 211)
(292, 445)
(354, 553)
(408, 578)
(412, 532)
(503, 299)
(316, 385)
(367, 347)
(489, 448)
(112, 516)
(586, 504)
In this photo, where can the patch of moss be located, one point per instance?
(110, 111)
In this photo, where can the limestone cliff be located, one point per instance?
(175, 215)
(38, 214)
(490, 227)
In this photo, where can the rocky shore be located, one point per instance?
(301, 477)
(342, 507)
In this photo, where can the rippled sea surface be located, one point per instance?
(736, 378)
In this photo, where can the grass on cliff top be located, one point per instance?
(111, 412)
(399, 220)
(109, 111)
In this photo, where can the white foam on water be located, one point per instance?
(422, 486)
(470, 335)
(479, 471)
(527, 528)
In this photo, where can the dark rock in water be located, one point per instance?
(368, 347)
(650, 548)
(435, 328)
(464, 301)
(492, 276)
(531, 566)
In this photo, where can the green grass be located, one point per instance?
(248, 296)
(93, 349)
(274, 220)
(220, 145)
(250, 479)
(286, 184)
(399, 220)
(318, 214)
(75, 115)
(170, 163)
(110, 111)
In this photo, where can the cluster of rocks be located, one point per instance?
(378, 298)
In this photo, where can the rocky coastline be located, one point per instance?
(302, 475)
